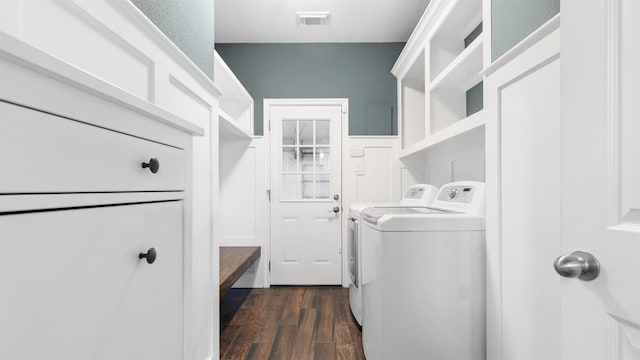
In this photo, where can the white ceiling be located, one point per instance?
(274, 21)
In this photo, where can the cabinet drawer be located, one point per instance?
(43, 153)
(73, 286)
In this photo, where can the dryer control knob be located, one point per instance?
(453, 193)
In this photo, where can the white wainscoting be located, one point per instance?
(114, 41)
(457, 160)
(522, 101)
(244, 202)
(412, 171)
(371, 172)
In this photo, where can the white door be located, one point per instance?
(305, 194)
(601, 176)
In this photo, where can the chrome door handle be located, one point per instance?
(336, 209)
(579, 264)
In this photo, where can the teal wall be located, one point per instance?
(188, 23)
(475, 99)
(513, 20)
(358, 71)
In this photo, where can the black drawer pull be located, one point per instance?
(153, 165)
(150, 255)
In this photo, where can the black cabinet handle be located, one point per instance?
(150, 255)
(153, 165)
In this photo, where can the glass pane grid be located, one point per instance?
(300, 139)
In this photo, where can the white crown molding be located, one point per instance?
(416, 42)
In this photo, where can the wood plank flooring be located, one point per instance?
(288, 323)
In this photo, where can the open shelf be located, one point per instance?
(464, 71)
(413, 102)
(440, 88)
(455, 91)
(447, 134)
(229, 127)
(235, 103)
(448, 41)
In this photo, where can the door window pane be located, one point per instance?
(306, 132)
(307, 186)
(306, 165)
(322, 132)
(306, 159)
(322, 159)
(290, 159)
(289, 132)
(322, 186)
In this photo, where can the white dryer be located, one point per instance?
(416, 195)
(423, 278)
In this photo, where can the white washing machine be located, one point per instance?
(416, 195)
(423, 278)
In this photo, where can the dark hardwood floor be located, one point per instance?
(288, 323)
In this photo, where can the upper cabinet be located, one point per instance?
(440, 89)
(236, 104)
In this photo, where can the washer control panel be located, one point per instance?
(414, 192)
(419, 195)
(459, 194)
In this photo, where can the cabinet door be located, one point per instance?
(72, 285)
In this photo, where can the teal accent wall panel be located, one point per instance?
(188, 24)
(475, 99)
(357, 71)
(379, 119)
(473, 35)
(513, 20)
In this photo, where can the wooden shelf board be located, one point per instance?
(463, 71)
(228, 126)
(234, 261)
(449, 133)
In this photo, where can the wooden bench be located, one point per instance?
(234, 261)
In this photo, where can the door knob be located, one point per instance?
(150, 255)
(579, 264)
(336, 209)
(153, 165)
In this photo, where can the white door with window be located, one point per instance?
(306, 194)
(601, 177)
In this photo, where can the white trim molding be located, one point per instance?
(417, 42)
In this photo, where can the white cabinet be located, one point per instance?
(73, 286)
(87, 186)
(105, 65)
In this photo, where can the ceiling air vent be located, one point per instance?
(313, 18)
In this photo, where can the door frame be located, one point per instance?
(267, 103)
